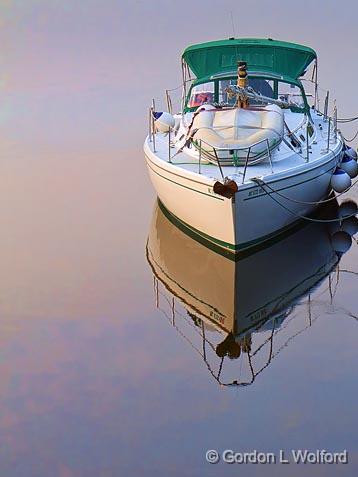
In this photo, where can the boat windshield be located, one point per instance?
(260, 85)
(215, 91)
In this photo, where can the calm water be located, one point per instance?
(106, 370)
(96, 380)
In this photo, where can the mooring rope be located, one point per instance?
(347, 120)
(304, 217)
(350, 140)
(319, 202)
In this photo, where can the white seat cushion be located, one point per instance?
(239, 128)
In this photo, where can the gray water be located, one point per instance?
(95, 379)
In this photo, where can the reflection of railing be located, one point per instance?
(263, 350)
(260, 344)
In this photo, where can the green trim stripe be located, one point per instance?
(185, 187)
(230, 251)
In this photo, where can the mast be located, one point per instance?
(242, 101)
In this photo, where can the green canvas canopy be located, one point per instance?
(265, 55)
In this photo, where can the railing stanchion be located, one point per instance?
(218, 161)
(335, 123)
(307, 144)
(269, 154)
(246, 163)
(169, 101)
(150, 124)
(199, 148)
(316, 97)
(169, 160)
(153, 125)
(325, 113)
(329, 134)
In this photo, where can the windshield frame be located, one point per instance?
(230, 76)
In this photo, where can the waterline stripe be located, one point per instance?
(233, 252)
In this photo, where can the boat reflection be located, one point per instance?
(243, 309)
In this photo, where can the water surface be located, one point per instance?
(95, 379)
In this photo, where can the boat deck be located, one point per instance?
(283, 157)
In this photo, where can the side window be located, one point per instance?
(201, 94)
(291, 93)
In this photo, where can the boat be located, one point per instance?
(244, 306)
(249, 154)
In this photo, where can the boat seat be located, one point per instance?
(229, 130)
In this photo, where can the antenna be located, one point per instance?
(233, 24)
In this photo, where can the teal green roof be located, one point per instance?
(263, 55)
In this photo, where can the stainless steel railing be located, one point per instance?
(151, 125)
(214, 158)
(246, 148)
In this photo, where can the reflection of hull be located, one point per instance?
(232, 295)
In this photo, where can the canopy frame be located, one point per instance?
(272, 56)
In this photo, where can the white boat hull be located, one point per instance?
(261, 214)
(252, 215)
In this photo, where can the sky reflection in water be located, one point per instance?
(94, 380)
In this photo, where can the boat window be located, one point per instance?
(201, 94)
(291, 93)
(224, 97)
(207, 93)
(260, 85)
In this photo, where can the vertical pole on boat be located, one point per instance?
(242, 83)
(183, 76)
(335, 121)
(218, 161)
(183, 71)
(269, 154)
(200, 156)
(150, 124)
(325, 113)
(246, 163)
(153, 125)
(169, 101)
(329, 133)
(316, 101)
(307, 143)
(169, 160)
